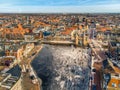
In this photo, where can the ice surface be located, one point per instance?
(69, 69)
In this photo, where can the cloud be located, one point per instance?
(63, 9)
(64, 6)
(6, 5)
(60, 2)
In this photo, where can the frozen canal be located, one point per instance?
(63, 68)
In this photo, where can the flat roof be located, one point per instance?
(7, 81)
(15, 71)
(115, 43)
(3, 76)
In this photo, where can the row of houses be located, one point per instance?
(13, 54)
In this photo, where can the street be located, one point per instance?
(97, 59)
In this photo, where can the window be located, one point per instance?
(113, 85)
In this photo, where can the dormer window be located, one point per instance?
(113, 85)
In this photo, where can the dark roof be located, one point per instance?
(46, 33)
(113, 43)
(14, 47)
(30, 34)
(15, 71)
(94, 87)
(2, 53)
(105, 63)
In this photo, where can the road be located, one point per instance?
(26, 64)
(97, 60)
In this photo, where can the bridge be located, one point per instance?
(58, 42)
(53, 42)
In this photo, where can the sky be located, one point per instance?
(59, 6)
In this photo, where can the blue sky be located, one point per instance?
(64, 6)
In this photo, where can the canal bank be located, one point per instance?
(30, 81)
(43, 68)
(32, 69)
